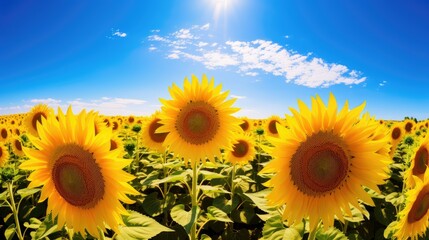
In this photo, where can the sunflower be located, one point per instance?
(198, 120)
(116, 144)
(270, 126)
(396, 134)
(150, 138)
(4, 133)
(4, 155)
(414, 218)
(408, 125)
(35, 115)
(17, 146)
(322, 161)
(246, 124)
(418, 164)
(242, 151)
(81, 178)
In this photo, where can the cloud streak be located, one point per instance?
(104, 105)
(252, 58)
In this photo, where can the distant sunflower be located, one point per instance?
(243, 150)
(116, 144)
(17, 146)
(322, 161)
(4, 155)
(397, 132)
(198, 120)
(418, 164)
(35, 115)
(270, 126)
(408, 125)
(246, 125)
(4, 133)
(414, 218)
(150, 138)
(81, 178)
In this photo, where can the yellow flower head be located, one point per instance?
(414, 218)
(243, 150)
(198, 120)
(81, 178)
(322, 161)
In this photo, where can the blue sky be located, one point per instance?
(120, 57)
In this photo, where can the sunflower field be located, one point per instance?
(193, 170)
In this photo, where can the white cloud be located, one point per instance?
(152, 48)
(119, 34)
(184, 34)
(252, 57)
(238, 97)
(382, 84)
(46, 101)
(173, 56)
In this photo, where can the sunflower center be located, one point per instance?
(240, 149)
(396, 133)
(408, 126)
(4, 133)
(272, 126)
(320, 164)
(156, 137)
(420, 161)
(198, 122)
(37, 118)
(78, 178)
(18, 145)
(420, 206)
(244, 125)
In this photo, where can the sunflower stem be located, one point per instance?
(346, 224)
(164, 189)
(14, 210)
(194, 196)
(232, 190)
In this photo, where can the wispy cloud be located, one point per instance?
(382, 84)
(238, 97)
(119, 34)
(252, 58)
(104, 105)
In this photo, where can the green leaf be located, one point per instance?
(395, 198)
(390, 230)
(259, 199)
(27, 192)
(213, 191)
(183, 217)
(148, 179)
(331, 234)
(9, 233)
(174, 177)
(152, 205)
(205, 237)
(357, 215)
(207, 175)
(214, 213)
(47, 227)
(34, 223)
(3, 195)
(138, 226)
(274, 229)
